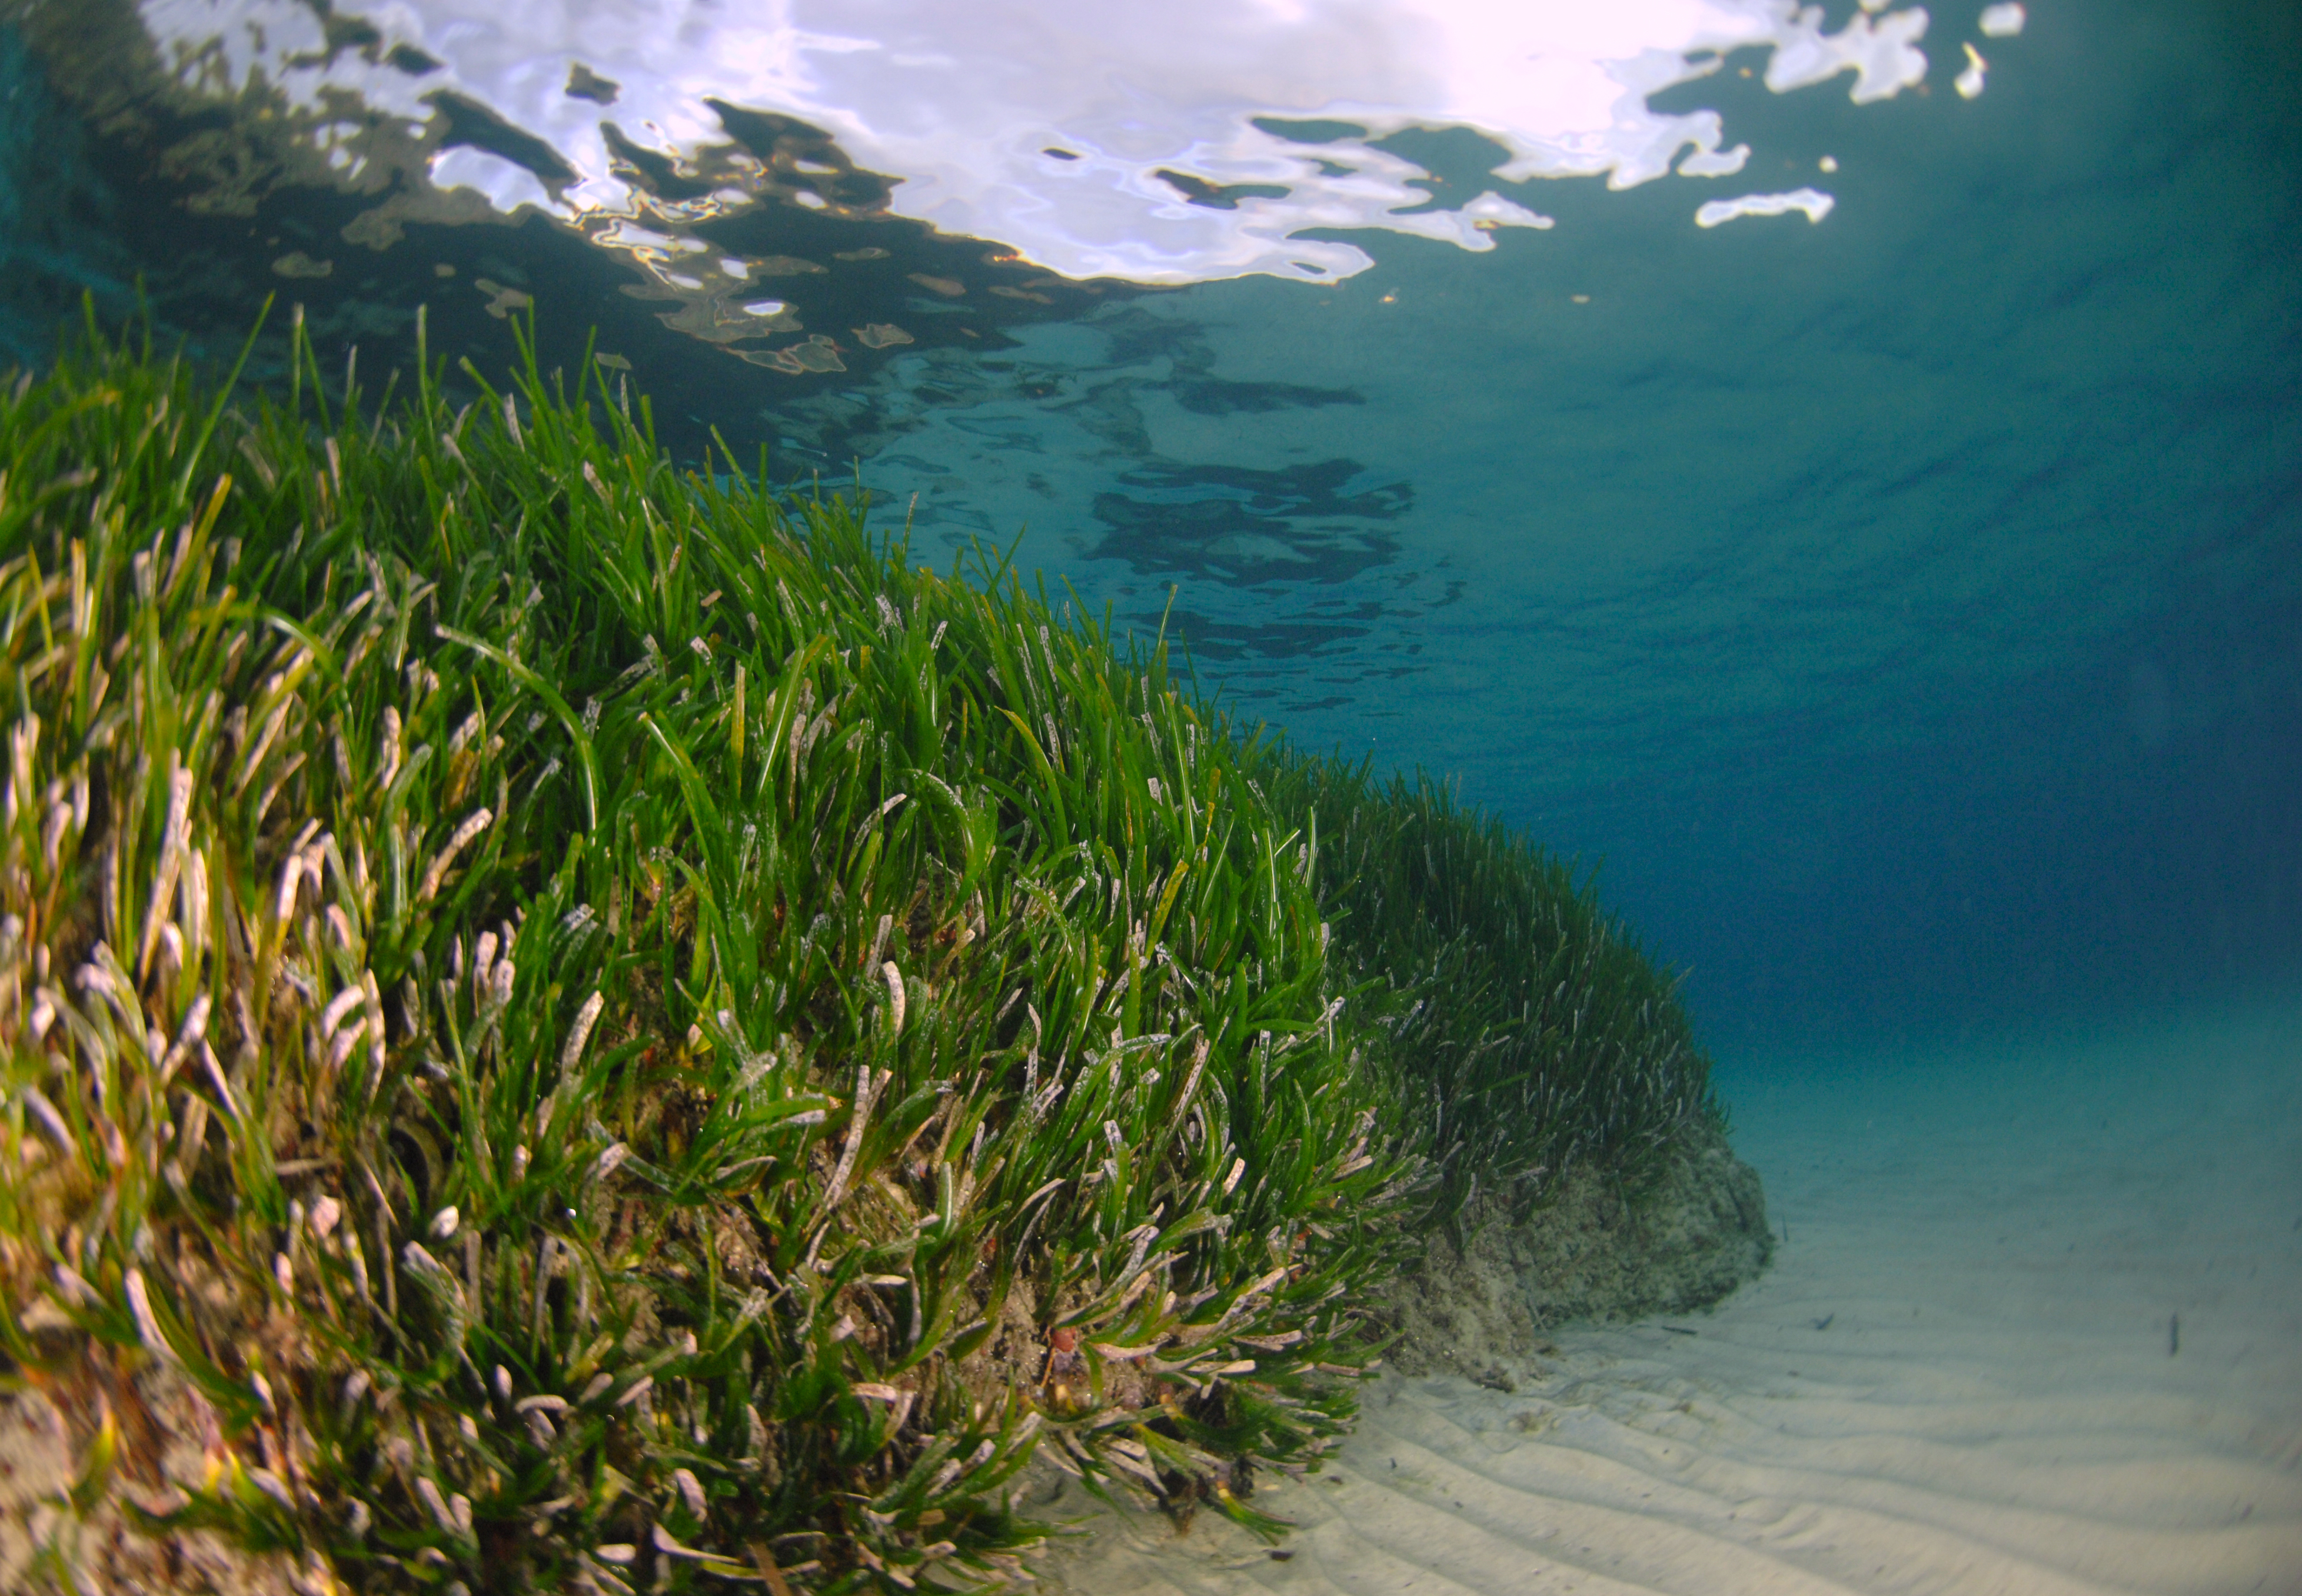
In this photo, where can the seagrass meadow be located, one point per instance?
(578, 1023)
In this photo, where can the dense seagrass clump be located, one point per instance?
(1531, 1032)
(578, 1025)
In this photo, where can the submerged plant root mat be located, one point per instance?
(1961, 1376)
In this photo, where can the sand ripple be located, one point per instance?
(1960, 1376)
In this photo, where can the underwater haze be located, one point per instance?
(1835, 472)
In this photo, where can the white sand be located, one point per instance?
(1957, 1377)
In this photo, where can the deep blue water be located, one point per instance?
(1903, 612)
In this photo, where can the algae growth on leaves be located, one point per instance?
(579, 1024)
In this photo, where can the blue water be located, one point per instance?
(1903, 613)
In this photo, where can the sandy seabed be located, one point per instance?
(2036, 1329)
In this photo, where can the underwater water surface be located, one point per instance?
(1835, 472)
(1897, 605)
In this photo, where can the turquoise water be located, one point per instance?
(1903, 609)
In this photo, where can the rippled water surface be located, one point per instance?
(1840, 468)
